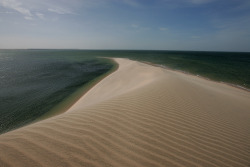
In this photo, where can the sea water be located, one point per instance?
(32, 82)
(228, 67)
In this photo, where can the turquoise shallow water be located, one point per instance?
(32, 82)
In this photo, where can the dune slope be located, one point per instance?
(140, 115)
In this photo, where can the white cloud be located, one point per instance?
(34, 9)
(40, 15)
(17, 6)
(60, 10)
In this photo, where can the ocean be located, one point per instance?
(33, 82)
(228, 67)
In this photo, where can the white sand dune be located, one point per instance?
(140, 115)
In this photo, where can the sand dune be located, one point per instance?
(140, 115)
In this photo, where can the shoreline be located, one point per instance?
(199, 76)
(66, 104)
(140, 115)
(70, 101)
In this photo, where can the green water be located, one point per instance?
(229, 67)
(32, 82)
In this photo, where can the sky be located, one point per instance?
(201, 25)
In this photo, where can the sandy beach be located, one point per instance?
(140, 115)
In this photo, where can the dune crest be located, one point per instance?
(120, 82)
(140, 115)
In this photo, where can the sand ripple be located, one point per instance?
(140, 116)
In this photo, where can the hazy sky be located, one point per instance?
(218, 25)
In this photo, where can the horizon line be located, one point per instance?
(125, 50)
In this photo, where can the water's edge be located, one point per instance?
(74, 97)
(73, 80)
(200, 76)
(64, 105)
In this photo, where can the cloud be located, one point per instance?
(184, 3)
(40, 15)
(139, 28)
(36, 9)
(17, 6)
(60, 10)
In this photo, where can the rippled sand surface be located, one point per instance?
(140, 115)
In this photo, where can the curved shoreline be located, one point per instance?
(140, 115)
(73, 98)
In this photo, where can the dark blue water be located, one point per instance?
(32, 82)
(229, 67)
